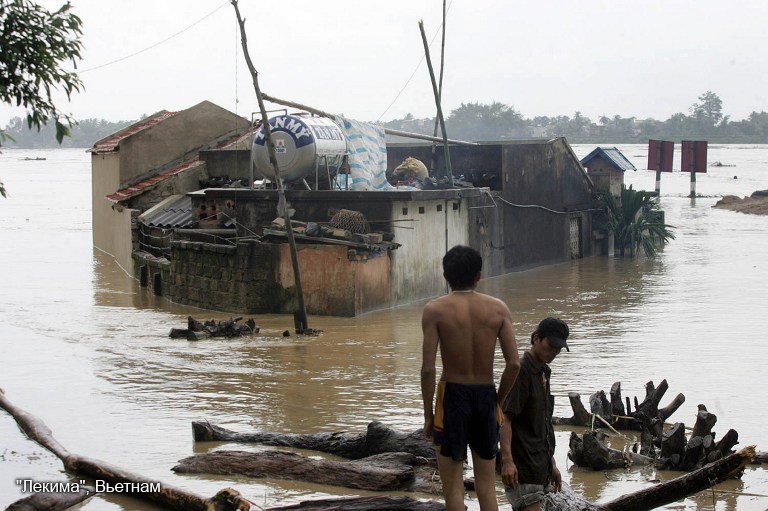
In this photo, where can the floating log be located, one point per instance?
(157, 493)
(53, 501)
(382, 502)
(377, 439)
(681, 487)
(382, 472)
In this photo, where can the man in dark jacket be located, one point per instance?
(527, 437)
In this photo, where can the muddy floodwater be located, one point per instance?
(84, 348)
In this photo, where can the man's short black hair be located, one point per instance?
(461, 264)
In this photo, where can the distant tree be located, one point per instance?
(755, 126)
(709, 111)
(34, 45)
(476, 121)
(575, 128)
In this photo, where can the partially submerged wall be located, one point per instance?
(257, 278)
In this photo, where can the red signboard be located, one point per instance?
(660, 153)
(693, 156)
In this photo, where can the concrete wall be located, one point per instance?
(544, 187)
(426, 229)
(543, 174)
(417, 220)
(605, 176)
(111, 223)
(105, 180)
(257, 278)
(120, 238)
(334, 281)
(235, 163)
(479, 164)
(176, 138)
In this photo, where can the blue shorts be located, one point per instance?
(466, 415)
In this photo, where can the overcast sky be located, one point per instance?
(364, 59)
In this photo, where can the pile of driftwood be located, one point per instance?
(228, 328)
(667, 449)
(408, 464)
(382, 459)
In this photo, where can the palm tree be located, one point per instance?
(636, 221)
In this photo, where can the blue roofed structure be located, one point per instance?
(611, 156)
(606, 167)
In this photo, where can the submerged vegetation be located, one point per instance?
(636, 221)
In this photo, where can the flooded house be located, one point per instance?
(186, 204)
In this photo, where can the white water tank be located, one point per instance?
(301, 145)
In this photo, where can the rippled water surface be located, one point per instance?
(86, 350)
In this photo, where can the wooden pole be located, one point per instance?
(448, 170)
(300, 316)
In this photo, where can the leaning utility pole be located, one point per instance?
(300, 317)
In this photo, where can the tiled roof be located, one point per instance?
(612, 155)
(111, 143)
(139, 188)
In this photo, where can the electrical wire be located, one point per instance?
(547, 209)
(423, 56)
(154, 45)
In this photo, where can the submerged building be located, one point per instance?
(180, 204)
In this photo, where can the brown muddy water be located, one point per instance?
(87, 351)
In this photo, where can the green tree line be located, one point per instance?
(491, 122)
(84, 133)
(497, 121)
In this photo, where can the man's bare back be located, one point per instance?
(466, 325)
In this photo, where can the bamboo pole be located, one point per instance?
(448, 170)
(439, 90)
(300, 316)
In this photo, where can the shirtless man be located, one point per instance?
(465, 325)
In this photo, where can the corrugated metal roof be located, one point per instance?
(112, 142)
(612, 155)
(175, 214)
